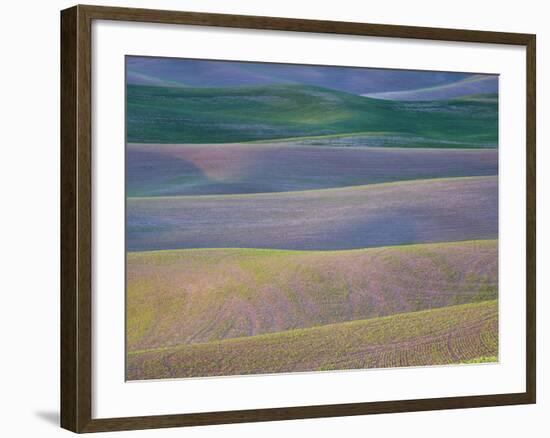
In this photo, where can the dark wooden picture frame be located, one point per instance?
(76, 218)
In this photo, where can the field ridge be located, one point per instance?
(373, 186)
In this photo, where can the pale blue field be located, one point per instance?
(436, 210)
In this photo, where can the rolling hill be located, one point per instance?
(174, 170)
(420, 211)
(475, 84)
(278, 219)
(239, 114)
(456, 334)
(145, 70)
(196, 296)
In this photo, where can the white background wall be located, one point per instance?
(29, 231)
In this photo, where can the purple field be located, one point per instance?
(196, 296)
(437, 210)
(203, 169)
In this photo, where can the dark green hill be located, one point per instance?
(480, 97)
(226, 115)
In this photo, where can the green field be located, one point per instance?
(456, 334)
(239, 114)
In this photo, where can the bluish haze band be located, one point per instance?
(356, 80)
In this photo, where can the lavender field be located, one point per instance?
(220, 169)
(433, 210)
(305, 218)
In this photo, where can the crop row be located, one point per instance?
(449, 335)
(197, 296)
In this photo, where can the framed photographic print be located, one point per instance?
(268, 218)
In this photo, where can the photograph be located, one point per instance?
(251, 219)
(285, 218)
